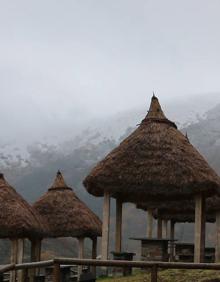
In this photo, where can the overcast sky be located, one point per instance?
(63, 60)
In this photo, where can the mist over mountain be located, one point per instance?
(75, 127)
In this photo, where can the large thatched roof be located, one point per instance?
(155, 162)
(17, 218)
(65, 213)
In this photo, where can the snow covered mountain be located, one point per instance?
(184, 112)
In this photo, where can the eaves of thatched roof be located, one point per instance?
(156, 162)
(181, 216)
(65, 214)
(184, 212)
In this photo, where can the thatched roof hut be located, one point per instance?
(181, 217)
(17, 218)
(65, 213)
(155, 162)
(184, 212)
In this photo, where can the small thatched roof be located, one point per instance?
(212, 205)
(65, 213)
(17, 218)
(155, 162)
(181, 217)
(184, 212)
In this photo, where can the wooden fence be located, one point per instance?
(153, 266)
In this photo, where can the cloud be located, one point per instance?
(66, 62)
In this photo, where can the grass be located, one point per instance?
(171, 276)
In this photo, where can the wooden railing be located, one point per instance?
(153, 266)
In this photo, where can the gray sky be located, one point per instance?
(68, 60)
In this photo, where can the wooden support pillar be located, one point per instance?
(118, 226)
(36, 250)
(94, 248)
(14, 250)
(35, 256)
(172, 237)
(200, 220)
(159, 228)
(56, 273)
(20, 258)
(154, 274)
(217, 247)
(80, 254)
(149, 223)
(94, 253)
(165, 229)
(105, 226)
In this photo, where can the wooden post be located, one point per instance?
(172, 237)
(35, 256)
(20, 258)
(56, 273)
(14, 247)
(200, 220)
(25, 275)
(94, 253)
(165, 229)
(217, 247)
(35, 250)
(159, 228)
(154, 274)
(81, 254)
(149, 223)
(118, 227)
(105, 226)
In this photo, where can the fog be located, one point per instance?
(65, 63)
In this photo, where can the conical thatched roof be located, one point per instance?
(65, 213)
(17, 218)
(155, 162)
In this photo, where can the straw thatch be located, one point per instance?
(184, 212)
(181, 217)
(66, 214)
(17, 218)
(155, 162)
(212, 205)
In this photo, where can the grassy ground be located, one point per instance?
(171, 276)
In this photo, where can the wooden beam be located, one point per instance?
(165, 229)
(105, 225)
(154, 274)
(94, 253)
(94, 248)
(36, 250)
(200, 220)
(35, 256)
(217, 247)
(81, 253)
(118, 226)
(172, 237)
(159, 228)
(56, 273)
(14, 250)
(20, 258)
(149, 223)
